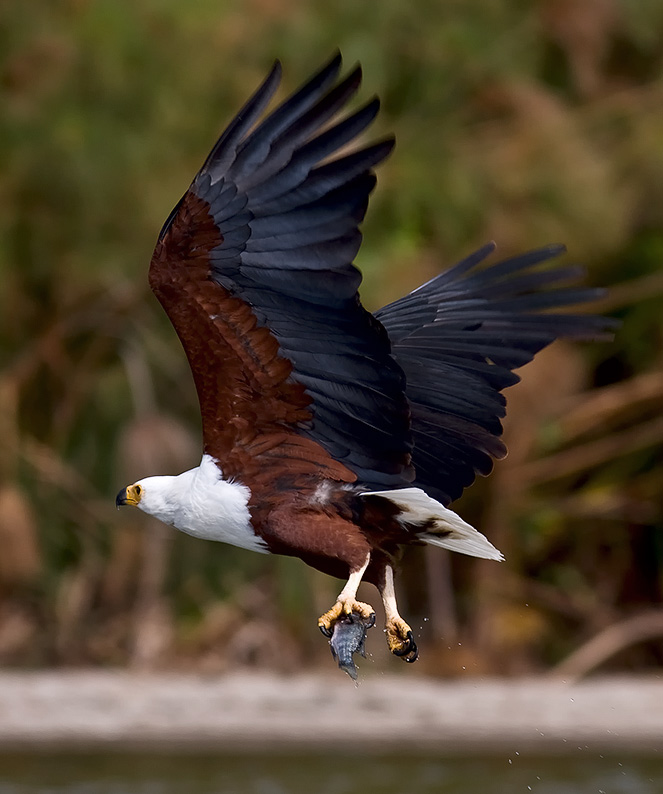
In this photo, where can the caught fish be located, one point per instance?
(348, 638)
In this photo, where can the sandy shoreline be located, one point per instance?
(120, 710)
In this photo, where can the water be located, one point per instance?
(307, 773)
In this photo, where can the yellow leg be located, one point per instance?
(399, 635)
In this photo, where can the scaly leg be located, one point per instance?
(399, 635)
(346, 603)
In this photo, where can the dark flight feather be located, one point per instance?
(459, 337)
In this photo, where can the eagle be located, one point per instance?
(329, 433)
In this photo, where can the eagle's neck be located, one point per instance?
(201, 503)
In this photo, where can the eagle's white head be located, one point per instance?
(199, 502)
(158, 496)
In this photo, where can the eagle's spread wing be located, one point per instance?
(458, 339)
(253, 267)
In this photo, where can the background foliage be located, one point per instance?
(523, 122)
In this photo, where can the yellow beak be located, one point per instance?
(128, 496)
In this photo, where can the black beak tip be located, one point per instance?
(121, 498)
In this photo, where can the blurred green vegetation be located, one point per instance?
(522, 122)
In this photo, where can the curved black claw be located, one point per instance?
(409, 652)
(327, 632)
(413, 655)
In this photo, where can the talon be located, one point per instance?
(412, 657)
(350, 607)
(408, 645)
(327, 620)
(413, 652)
(401, 641)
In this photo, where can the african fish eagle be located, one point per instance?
(331, 434)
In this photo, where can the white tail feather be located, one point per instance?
(454, 533)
